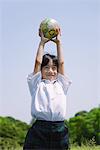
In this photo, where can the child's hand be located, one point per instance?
(57, 39)
(43, 39)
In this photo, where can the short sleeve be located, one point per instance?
(33, 81)
(65, 81)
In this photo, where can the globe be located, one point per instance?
(50, 28)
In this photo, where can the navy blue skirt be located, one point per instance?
(47, 135)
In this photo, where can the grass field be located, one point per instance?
(79, 148)
(85, 148)
(72, 148)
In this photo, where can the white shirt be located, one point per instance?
(48, 97)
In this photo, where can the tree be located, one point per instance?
(85, 126)
(12, 132)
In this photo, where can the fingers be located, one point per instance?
(43, 39)
(59, 31)
(57, 39)
(54, 40)
(41, 33)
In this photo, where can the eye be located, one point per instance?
(54, 68)
(46, 67)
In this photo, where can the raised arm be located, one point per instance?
(40, 52)
(60, 57)
(59, 54)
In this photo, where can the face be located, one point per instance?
(49, 72)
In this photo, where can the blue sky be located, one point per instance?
(80, 26)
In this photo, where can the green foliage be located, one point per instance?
(12, 132)
(8, 144)
(89, 145)
(81, 113)
(83, 128)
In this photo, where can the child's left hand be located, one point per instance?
(43, 39)
(57, 39)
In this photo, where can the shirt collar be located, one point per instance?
(48, 81)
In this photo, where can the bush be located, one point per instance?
(12, 132)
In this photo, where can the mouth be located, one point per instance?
(51, 77)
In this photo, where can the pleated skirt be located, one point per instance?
(47, 135)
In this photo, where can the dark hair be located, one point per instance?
(46, 58)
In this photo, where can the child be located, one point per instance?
(48, 87)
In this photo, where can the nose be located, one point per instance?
(50, 70)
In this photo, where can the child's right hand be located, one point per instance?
(43, 39)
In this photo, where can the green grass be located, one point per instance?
(85, 148)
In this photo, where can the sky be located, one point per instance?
(80, 27)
